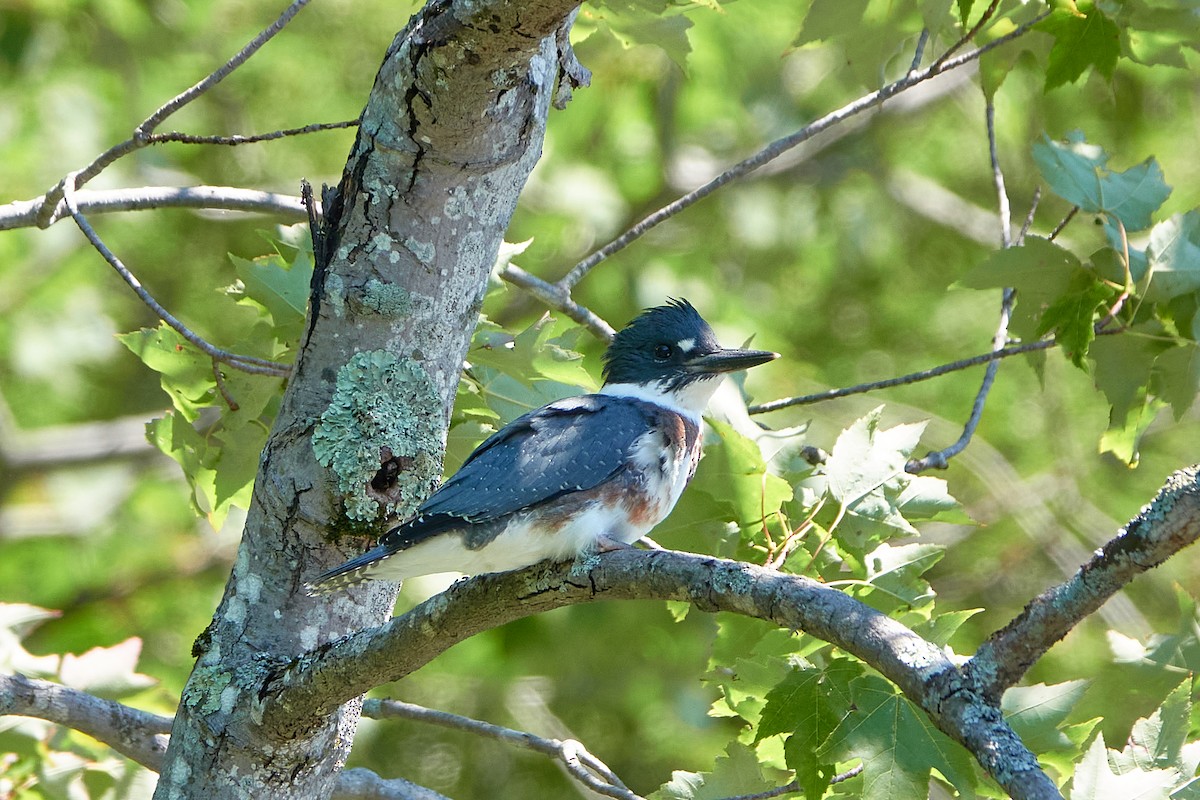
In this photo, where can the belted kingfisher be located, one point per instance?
(589, 473)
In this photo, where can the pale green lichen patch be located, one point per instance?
(380, 405)
(387, 299)
(335, 295)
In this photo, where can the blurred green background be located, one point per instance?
(839, 255)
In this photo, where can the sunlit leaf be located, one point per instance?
(1174, 256)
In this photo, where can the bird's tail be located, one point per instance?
(354, 571)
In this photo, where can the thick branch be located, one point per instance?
(1164, 527)
(138, 735)
(326, 678)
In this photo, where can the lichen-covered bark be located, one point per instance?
(452, 128)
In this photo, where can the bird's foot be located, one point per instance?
(607, 544)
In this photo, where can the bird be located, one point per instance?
(589, 473)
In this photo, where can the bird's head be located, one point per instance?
(670, 349)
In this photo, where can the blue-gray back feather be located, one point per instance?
(570, 445)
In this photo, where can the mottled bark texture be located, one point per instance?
(453, 126)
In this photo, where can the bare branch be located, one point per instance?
(237, 139)
(1063, 223)
(24, 213)
(782, 145)
(554, 296)
(360, 783)
(1033, 205)
(579, 762)
(971, 34)
(137, 735)
(940, 458)
(901, 380)
(1164, 527)
(141, 134)
(259, 366)
(142, 737)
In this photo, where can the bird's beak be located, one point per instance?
(729, 360)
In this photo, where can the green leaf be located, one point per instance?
(1174, 256)
(1039, 270)
(1037, 712)
(810, 704)
(1081, 40)
(735, 773)
(279, 287)
(1121, 369)
(830, 19)
(1095, 779)
(1078, 172)
(865, 475)
(897, 569)
(942, 627)
(186, 372)
(1177, 376)
(1072, 317)
(1157, 741)
(1125, 433)
(897, 743)
(534, 354)
(735, 474)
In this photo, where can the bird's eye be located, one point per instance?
(663, 351)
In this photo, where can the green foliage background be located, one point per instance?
(840, 257)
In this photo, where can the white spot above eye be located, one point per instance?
(686, 345)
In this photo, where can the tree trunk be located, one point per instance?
(453, 126)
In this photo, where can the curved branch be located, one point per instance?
(24, 213)
(1168, 524)
(137, 735)
(579, 763)
(559, 299)
(315, 684)
(940, 459)
(251, 364)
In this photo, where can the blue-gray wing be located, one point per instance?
(567, 446)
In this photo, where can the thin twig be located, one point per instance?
(258, 366)
(1063, 223)
(253, 46)
(919, 53)
(902, 380)
(142, 132)
(1033, 204)
(237, 139)
(221, 387)
(580, 764)
(940, 459)
(795, 787)
(971, 34)
(780, 146)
